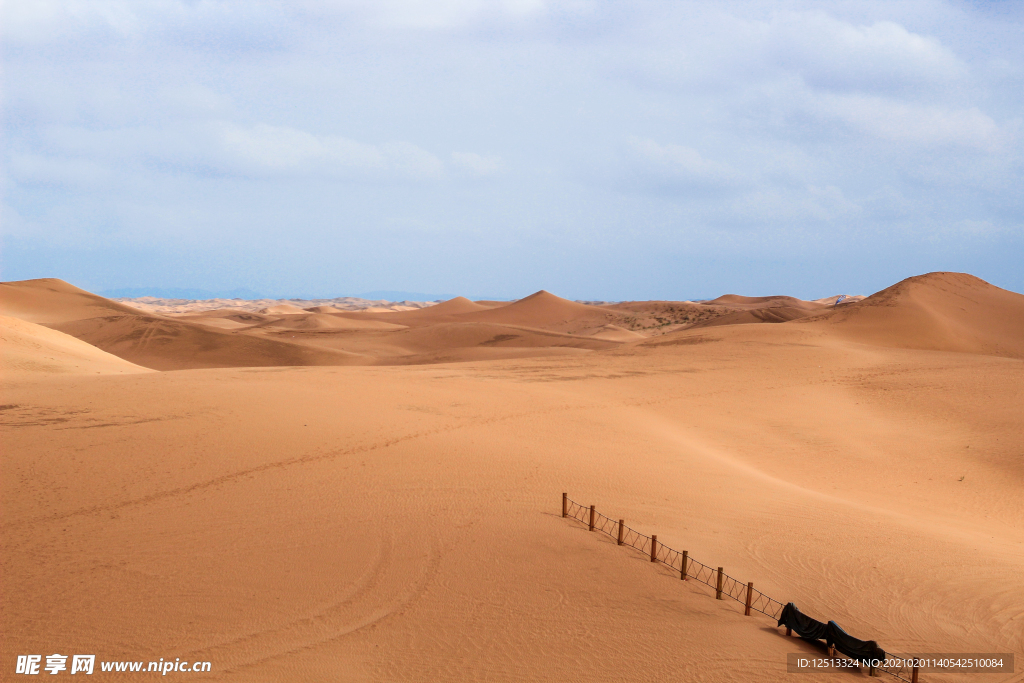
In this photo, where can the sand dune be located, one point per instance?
(847, 299)
(281, 309)
(769, 314)
(218, 322)
(245, 317)
(546, 311)
(616, 333)
(402, 523)
(328, 321)
(441, 342)
(449, 311)
(286, 335)
(168, 344)
(50, 300)
(938, 311)
(543, 309)
(28, 350)
(458, 305)
(464, 335)
(749, 302)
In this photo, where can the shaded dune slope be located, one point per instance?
(472, 334)
(28, 349)
(165, 344)
(770, 314)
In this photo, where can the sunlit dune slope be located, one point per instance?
(937, 311)
(49, 300)
(30, 350)
(169, 344)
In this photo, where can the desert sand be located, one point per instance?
(375, 495)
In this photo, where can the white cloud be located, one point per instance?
(769, 206)
(439, 14)
(82, 157)
(477, 164)
(50, 171)
(916, 124)
(840, 55)
(748, 116)
(271, 150)
(46, 20)
(677, 167)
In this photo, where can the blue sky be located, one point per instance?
(598, 150)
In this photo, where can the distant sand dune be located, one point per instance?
(937, 311)
(616, 333)
(281, 309)
(940, 311)
(168, 344)
(771, 314)
(547, 311)
(329, 321)
(748, 302)
(452, 310)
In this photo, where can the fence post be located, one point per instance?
(750, 597)
(654, 548)
(565, 504)
(682, 570)
(622, 530)
(591, 517)
(718, 588)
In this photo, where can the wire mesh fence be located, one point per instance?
(725, 586)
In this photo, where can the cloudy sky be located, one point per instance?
(601, 150)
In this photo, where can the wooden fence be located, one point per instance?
(688, 568)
